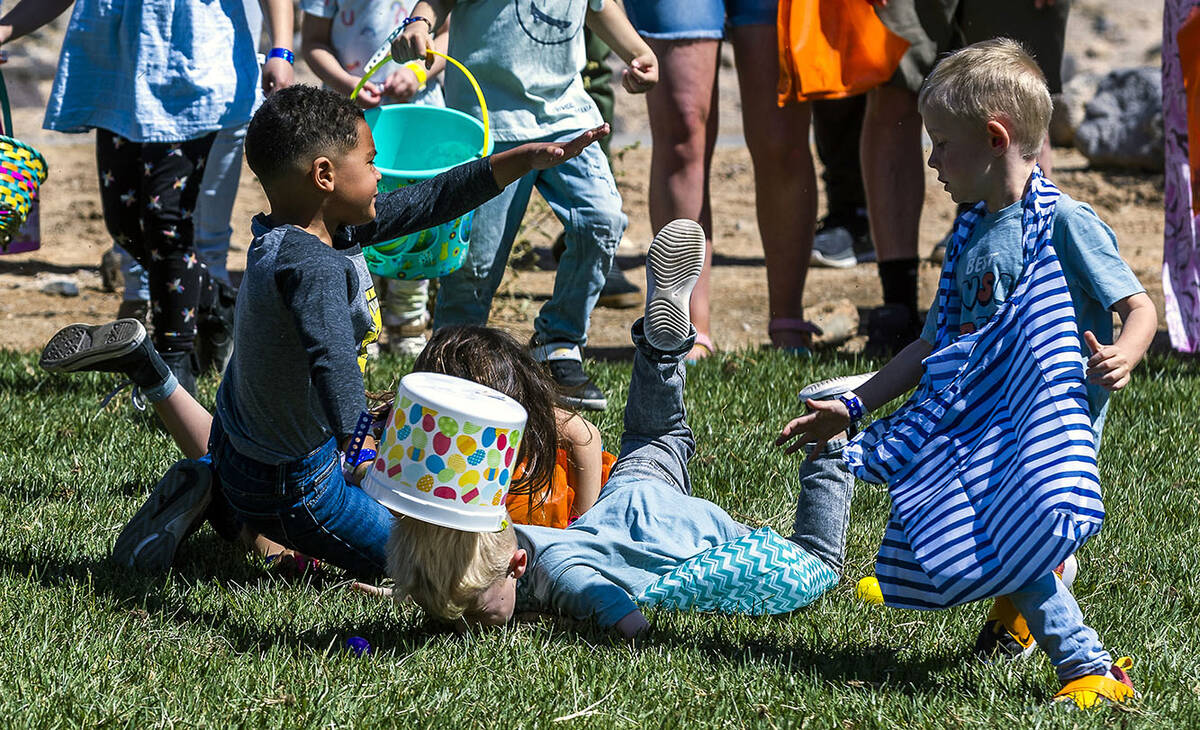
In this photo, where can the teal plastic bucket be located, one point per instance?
(413, 143)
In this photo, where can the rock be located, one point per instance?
(1070, 108)
(1123, 125)
(838, 320)
(61, 286)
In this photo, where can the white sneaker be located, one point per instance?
(673, 263)
(826, 389)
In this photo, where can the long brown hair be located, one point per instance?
(494, 358)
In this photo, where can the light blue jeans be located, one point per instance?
(214, 208)
(583, 195)
(1053, 615)
(657, 443)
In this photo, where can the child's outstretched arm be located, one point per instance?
(828, 418)
(581, 439)
(28, 16)
(511, 165)
(613, 27)
(1110, 365)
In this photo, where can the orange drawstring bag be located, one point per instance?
(556, 510)
(829, 49)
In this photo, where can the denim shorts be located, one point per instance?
(689, 19)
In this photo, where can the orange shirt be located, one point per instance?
(557, 510)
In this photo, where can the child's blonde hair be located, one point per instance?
(443, 569)
(995, 79)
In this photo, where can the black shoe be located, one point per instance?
(565, 364)
(214, 329)
(183, 364)
(174, 509)
(116, 347)
(618, 291)
(890, 329)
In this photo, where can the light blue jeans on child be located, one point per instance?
(583, 194)
(1053, 615)
(657, 443)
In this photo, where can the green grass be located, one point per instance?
(222, 642)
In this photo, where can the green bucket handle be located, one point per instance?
(487, 130)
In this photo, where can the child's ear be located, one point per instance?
(998, 137)
(516, 566)
(321, 174)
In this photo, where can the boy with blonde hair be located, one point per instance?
(991, 464)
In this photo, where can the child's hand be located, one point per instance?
(1108, 366)
(401, 85)
(641, 74)
(542, 155)
(415, 42)
(276, 74)
(827, 419)
(369, 96)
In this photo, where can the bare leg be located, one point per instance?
(785, 182)
(683, 125)
(187, 421)
(893, 171)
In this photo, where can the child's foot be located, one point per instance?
(1096, 689)
(174, 509)
(116, 347)
(826, 389)
(564, 361)
(1005, 635)
(673, 263)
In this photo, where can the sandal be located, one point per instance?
(1090, 690)
(703, 342)
(791, 324)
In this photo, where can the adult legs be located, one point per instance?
(214, 204)
(683, 126)
(785, 183)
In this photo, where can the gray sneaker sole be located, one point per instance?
(79, 346)
(150, 539)
(673, 263)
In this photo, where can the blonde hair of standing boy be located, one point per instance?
(994, 79)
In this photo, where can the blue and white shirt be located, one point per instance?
(155, 70)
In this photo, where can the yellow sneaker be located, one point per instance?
(1096, 689)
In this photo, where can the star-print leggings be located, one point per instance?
(148, 191)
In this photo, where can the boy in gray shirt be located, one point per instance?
(293, 392)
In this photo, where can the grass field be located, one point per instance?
(223, 642)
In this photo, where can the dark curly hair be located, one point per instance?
(296, 125)
(494, 358)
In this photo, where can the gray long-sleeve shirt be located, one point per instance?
(306, 309)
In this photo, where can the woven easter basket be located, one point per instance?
(22, 171)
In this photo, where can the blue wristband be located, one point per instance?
(364, 456)
(283, 53)
(414, 18)
(854, 405)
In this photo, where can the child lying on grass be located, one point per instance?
(644, 524)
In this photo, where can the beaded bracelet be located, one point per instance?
(283, 53)
(361, 428)
(414, 18)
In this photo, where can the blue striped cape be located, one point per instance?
(991, 464)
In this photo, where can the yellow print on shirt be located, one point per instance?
(372, 334)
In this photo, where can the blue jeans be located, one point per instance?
(686, 19)
(214, 207)
(1053, 615)
(657, 442)
(1057, 623)
(304, 504)
(583, 195)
